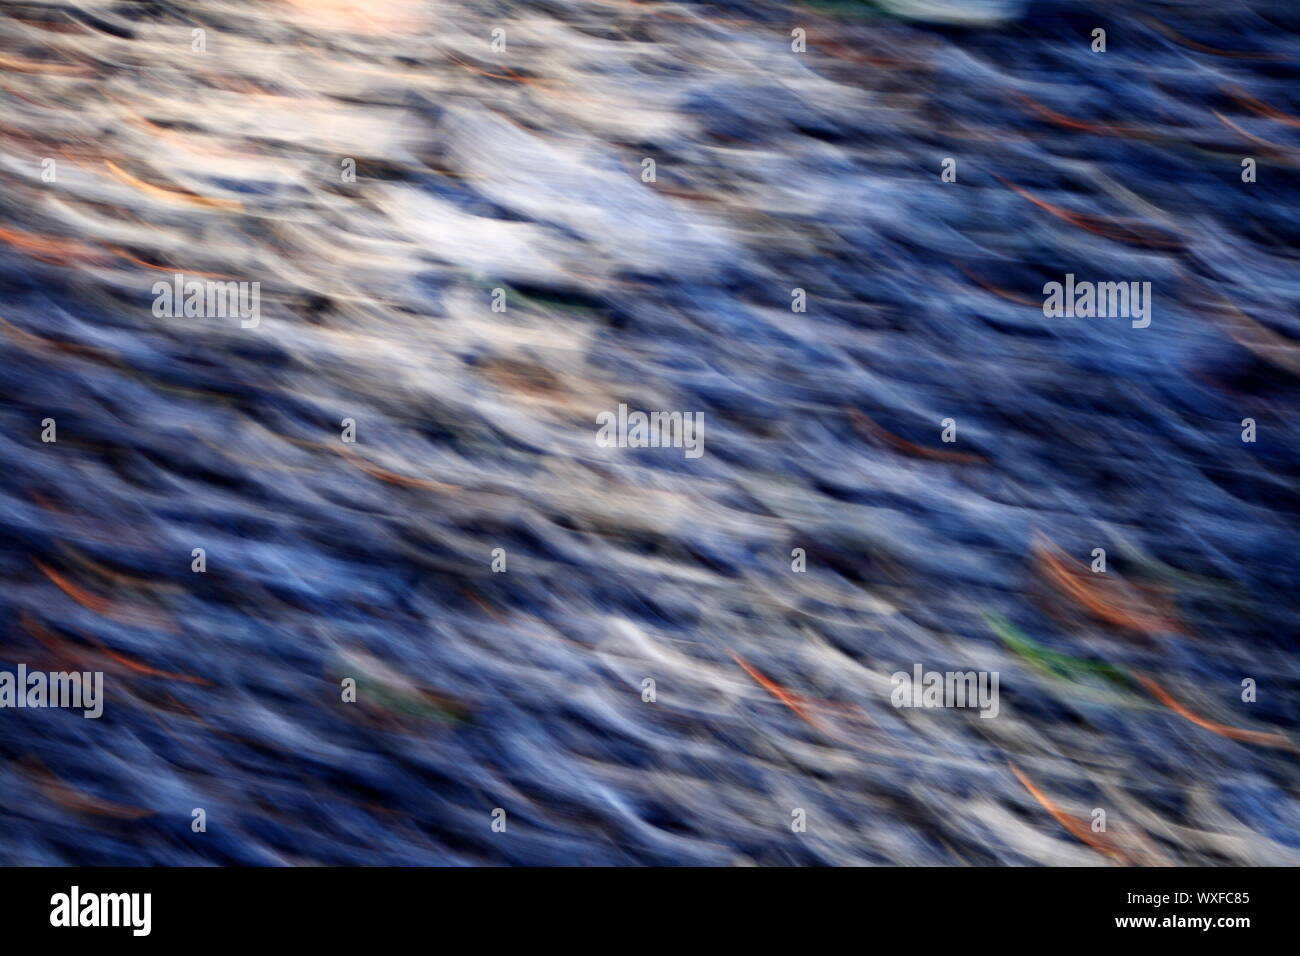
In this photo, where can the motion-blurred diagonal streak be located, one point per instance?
(309, 310)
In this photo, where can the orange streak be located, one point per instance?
(23, 65)
(391, 477)
(116, 576)
(168, 269)
(83, 597)
(1106, 228)
(46, 245)
(1192, 44)
(60, 648)
(872, 430)
(1069, 122)
(1223, 730)
(1000, 293)
(473, 596)
(780, 693)
(1262, 341)
(1261, 108)
(102, 605)
(186, 710)
(383, 474)
(513, 77)
(171, 195)
(176, 139)
(1086, 595)
(1257, 140)
(31, 340)
(146, 670)
(73, 799)
(1073, 218)
(1077, 829)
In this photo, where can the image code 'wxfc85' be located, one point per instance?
(605, 433)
